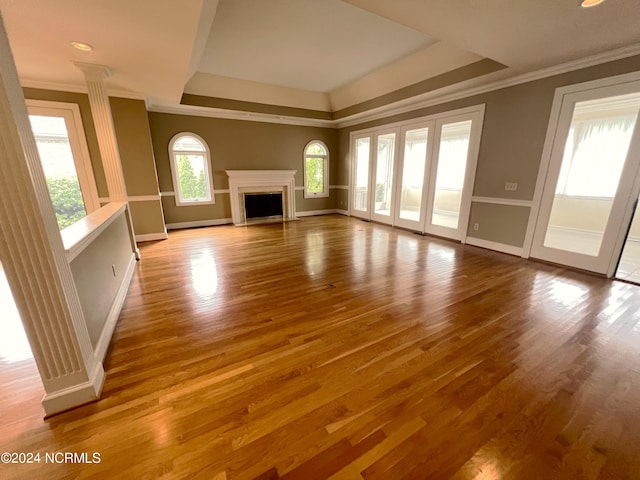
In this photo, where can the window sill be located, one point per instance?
(319, 195)
(191, 204)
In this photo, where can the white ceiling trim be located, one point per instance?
(209, 85)
(207, 15)
(463, 90)
(466, 89)
(388, 110)
(75, 88)
(436, 59)
(235, 115)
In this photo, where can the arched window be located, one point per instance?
(191, 169)
(316, 170)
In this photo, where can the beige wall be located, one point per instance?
(93, 275)
(514, 130)
(147, 217)
(342, 198)
(134, 143)
(504, 224)
(221, 210)
(138, 164)
(239, 145)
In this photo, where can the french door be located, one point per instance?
(382, 193)
(418, 175)
(591, 181)
(361, 149)
(414, 175)
(452, 174)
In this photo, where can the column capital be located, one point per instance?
(94, 71)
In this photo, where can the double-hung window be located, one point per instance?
(191, 170)
(316, 170)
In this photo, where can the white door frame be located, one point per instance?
(403, 222)
(559, 119)
(459, 233)
(366, 215)
(474, 113)
(386, 219)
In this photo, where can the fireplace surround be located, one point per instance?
(261, 181)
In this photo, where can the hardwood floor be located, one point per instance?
(334, 348)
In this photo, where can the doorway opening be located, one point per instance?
(629, 264)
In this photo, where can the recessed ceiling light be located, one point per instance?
(590, 3)
(85, 47)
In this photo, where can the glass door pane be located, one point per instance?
(59, 168)
(451, 167)
(413, 164)
(361, 174)
(594, 155)
(384, 174)
(592, 165)
(629, 266)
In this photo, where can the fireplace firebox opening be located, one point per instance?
(263, 205)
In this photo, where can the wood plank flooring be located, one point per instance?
(335, 348)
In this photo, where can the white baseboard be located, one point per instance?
(112, 318)
(498, 247)
(76, 395)
(343, 212)
(228, 221)
(150, 237)
(199, 223)
(310, 213)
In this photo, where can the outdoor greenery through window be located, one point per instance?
(59, 168)
(316, 169)
(191, 169)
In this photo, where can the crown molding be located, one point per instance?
(237, 115)
(458, 91)
(467, 88)
(76, 88)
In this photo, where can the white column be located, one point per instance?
(95, 76)
(34, 259)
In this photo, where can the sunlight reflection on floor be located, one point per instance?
(14, 346)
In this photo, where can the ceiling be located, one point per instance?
(306, 44)
(310, 55)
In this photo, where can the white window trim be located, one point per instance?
(174, 170)
(325, 192)
(78, 143)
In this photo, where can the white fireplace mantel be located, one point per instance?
(260, 181)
